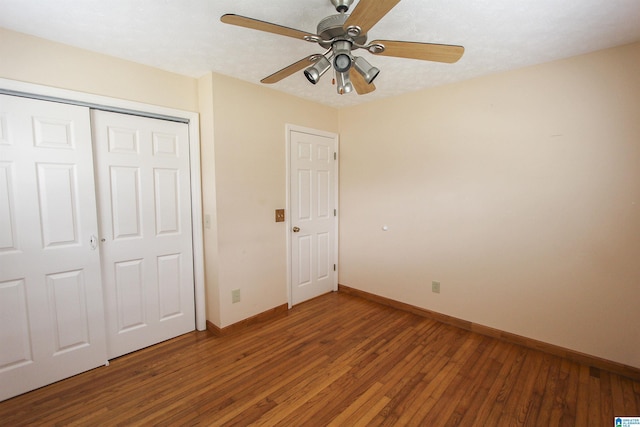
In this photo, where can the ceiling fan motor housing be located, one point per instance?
(331, 29)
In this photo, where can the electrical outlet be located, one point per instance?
(435, 287)
(235, 296)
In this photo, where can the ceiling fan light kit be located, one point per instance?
(366, 70)
(340, 35)
(342, 55)
(314, 72)
(343, 83)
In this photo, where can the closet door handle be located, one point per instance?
(93, 241)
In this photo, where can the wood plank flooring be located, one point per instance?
(337, 360)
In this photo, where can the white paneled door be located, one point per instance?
(313, 220)
(142, 167)
(51, 303)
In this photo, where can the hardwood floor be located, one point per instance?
(337, 360)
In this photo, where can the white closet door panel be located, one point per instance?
(167, 200)
(56, 190)
(125, 202)
(69, 317)
(4, 128)
(51, 304)
(169, 273)
(14, 325)
(130, 295)
(7, 209)
(145, 209)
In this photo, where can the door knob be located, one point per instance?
(296, 229)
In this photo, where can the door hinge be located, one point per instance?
(334, 267)
(335, 212)
(335, 156)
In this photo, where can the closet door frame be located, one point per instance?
(192, 119)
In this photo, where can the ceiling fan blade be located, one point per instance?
(368, 12)
(255, 24)
(425, 51)
(359, 83)
(293, 68)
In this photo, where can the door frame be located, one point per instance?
(193, 121)
(295, 128)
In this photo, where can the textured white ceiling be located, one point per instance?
(187, 37)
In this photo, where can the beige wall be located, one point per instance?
(249, 123)
(35, 60)
(519, 192)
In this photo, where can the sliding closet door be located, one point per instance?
(142, 167)
(51, 305)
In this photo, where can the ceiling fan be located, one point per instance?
(342, 34)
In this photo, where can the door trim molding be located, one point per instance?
(193, 121)
(295, 128)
